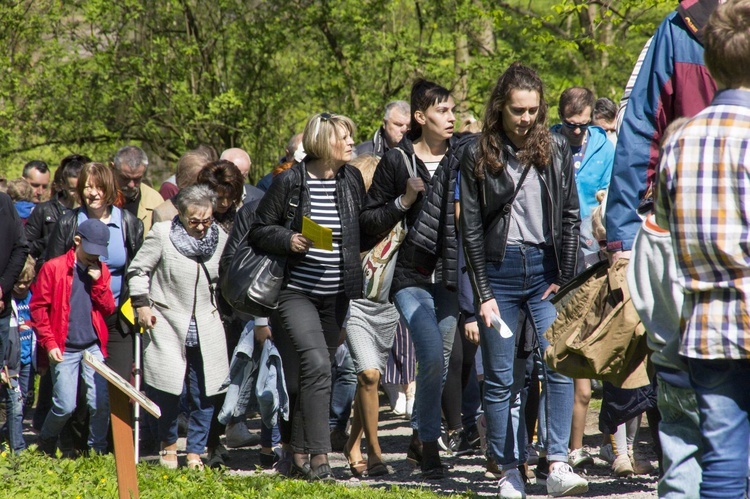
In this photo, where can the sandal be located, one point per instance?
(322, 473)
(168, 463)
(357, 468)
(378, 469)
(195, 464)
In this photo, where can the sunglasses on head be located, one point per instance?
(321, 118)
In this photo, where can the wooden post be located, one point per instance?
(122, 434)
(120, 394)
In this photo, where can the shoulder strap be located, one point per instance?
(208, 278)
(508, 205)
(293, 200)
(411, 167)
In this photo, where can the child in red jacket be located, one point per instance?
(70, 300)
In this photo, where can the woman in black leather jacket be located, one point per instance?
(429, 308)
(315, 298)
(97, 191)
(521, 244)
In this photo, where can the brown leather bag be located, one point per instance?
(598, 334)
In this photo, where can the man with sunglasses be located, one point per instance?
(593, 155)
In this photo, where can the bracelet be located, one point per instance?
(400, 205)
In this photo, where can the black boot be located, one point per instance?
(432, 468)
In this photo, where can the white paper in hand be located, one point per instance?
(501, 326)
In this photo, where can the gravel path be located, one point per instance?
(468, 473)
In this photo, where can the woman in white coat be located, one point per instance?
(172, 279)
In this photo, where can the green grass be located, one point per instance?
(32, 475)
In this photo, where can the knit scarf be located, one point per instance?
(189, 246)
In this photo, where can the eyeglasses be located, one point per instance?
(194, 222)
(573, 126)
(321, 118)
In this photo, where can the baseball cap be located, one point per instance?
(94, 237)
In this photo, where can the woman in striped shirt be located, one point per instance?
(320, 282)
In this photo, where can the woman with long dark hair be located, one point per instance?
(424, 158)
(520, 224)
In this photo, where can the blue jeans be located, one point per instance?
(26, 383)
(724, 404)
(518, 283)
(64, 391)
(680, 437)
(201, 407)
(343, 386)
(13, 428)
(431, 315)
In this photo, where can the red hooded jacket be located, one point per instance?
(50, 302)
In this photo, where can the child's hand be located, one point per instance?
(55, 356)
(95, 271)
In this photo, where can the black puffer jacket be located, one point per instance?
(61, 240)
(267, 231)
(434, 234)
(380, 214)
(40, 224)
(485, 229)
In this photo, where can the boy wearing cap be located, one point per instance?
(70, 299)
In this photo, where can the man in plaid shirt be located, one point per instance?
(704, 198)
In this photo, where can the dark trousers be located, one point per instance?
(306, 330)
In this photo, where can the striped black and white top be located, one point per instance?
(320, 272)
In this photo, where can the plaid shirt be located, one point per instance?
(704, 198)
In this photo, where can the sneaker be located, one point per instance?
(641, 465)
(622, 467)
(532, 456)
(492, 470)
(239, 436)
(541, 471)
(399, 408)
(607, 454)
(338, 439)
(579, 457)
(460, 444)
(444, 437)
(563, 481)
(511, 485)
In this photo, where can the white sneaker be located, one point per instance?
(563, 481)
(579, 457)
(607, 454)
(411, 390)
(239, 436)
(399, 408)
(511, 485)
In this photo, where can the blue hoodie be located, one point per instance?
(24, 209)
(595, 170)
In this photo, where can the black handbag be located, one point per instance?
(254, 278)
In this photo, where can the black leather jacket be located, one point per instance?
(267, 231)
(40, 224)
(61, 240)
(482, 203)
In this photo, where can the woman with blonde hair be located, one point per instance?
(315, 298)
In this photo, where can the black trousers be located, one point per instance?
(306, 330)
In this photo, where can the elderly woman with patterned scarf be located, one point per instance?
(172, 282)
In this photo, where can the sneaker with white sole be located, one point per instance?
(579, 457)
(563, 481)
(511, 485)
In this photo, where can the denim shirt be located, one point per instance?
(256, 382)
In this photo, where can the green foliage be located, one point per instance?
(32, 475)
(90, 75)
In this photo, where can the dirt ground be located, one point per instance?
(468, 473)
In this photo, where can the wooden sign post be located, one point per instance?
(120, 393)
